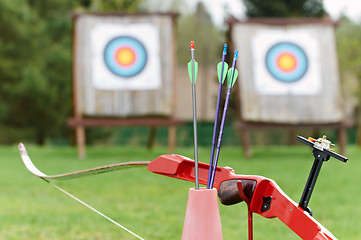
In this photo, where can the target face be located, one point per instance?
(286, 62)
(125, 56)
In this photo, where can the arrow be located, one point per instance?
(192, 66)
(222, 68)
(232, 77)
(192, 71)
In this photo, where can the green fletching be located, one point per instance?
(219, 71)
(232, 77)
(195, 71)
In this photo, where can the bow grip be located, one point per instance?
(229, 194)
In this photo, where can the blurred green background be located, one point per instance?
(154, 206)
(36, 100)
(36, 65)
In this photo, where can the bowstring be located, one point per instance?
(93, 209)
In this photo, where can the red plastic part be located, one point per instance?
(181, 167)
(192, 44)
(247, 200)
(202, 216)
(281, 205)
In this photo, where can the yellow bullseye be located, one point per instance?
(286, 62)
(125, 56)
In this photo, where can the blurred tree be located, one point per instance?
(35, 65)
(348, 37)
(208, 39)
(35, 47)
(194, 26)
(198, 27)
(130, 6)
(284, 8)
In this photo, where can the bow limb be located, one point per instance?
(92, 171)
(119, 166)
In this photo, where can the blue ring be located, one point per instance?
(271, 62)
(129, 42)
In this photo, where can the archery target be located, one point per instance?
(286, 62)
(125, 57)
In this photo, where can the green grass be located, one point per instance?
(153, 206)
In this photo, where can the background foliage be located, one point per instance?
(36, 57)
(35, 65)
(284, 8)
(35, 68)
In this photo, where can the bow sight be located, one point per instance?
(322, 152)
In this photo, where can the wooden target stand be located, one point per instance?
(80, 121)
(245, 126)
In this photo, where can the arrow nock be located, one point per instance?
(235, 55)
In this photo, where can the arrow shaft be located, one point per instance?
(223, 119)
(215, 127)
(195, 122)
(195, 136)
(220, 135)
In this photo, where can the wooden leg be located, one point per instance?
(151, 139)
(358, 135)
(316, 133)
(292, 133)
(246, 142)
(80, 141)
(342, 139)
(171, 138)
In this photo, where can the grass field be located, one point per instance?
(153, 206)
